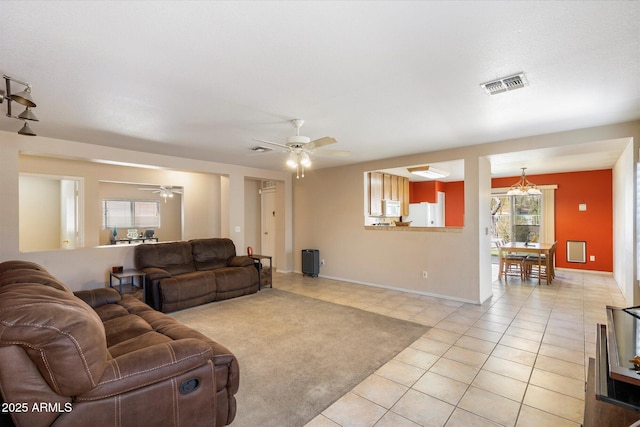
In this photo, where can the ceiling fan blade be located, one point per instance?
(272, 143)
(337, 153)
(148, 189)
(320, 142)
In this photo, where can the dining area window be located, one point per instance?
(516, 218)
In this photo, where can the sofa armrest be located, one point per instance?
(98, 297)
(240, 261)
(155, 273)
(150, 365)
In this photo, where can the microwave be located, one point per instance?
(391, 208)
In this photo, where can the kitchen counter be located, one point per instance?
(409, 228)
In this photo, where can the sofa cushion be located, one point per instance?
(232, 279)
(173, 257)
(110, 311)
(137, 343)
(187, 290)
(62, 335)
(209, 254)
(31, 276)
(123, 328)
(19, 265)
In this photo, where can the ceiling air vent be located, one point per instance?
(504, 84)
(260, 149)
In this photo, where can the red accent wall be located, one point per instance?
(427, 191)
(454, 204)
(595, 225)
(423, 191)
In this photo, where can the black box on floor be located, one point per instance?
(310, 262)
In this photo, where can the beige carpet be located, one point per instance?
(297, 354)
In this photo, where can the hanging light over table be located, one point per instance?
(523, 187)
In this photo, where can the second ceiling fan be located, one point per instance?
(301, 147)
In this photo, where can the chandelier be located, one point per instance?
(523, 187)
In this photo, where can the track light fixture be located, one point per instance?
(23, 98)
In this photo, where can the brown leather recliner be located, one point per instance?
(96, 358)
(185, 274)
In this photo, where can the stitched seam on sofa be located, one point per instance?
(154, 368)
(43, 356)
(46, 364)
(175, 374)
(68, 335)
(173, 353)
(116, 369)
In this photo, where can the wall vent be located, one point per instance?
(504, 84)
(260, 149)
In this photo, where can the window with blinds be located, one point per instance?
(130, 214)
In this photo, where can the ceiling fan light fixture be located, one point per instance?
(428, 172)
(292, 160)
(304, 159)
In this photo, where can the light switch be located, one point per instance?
(237, 228)
(582, 207)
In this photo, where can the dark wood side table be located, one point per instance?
(130, 277)
(263, 272)
(598, 413)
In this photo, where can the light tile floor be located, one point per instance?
(519, 360)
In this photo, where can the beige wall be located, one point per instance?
(201, 194)
(213, 202)
(324, 211)
(328, 216)
(39, 230)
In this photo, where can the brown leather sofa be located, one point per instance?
(96, 358)
(185, 274)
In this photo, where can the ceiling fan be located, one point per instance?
(301, 147)
(163, 190)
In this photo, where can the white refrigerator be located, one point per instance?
(426, 214)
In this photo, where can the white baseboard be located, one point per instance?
(393, 288)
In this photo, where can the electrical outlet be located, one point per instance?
(425, 274)
(322, 262)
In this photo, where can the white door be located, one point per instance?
(268, 203)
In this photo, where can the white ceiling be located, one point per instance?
(202, 79)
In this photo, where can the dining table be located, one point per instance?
(539, 248)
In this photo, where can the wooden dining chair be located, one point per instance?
(510, 264)
(544, 268)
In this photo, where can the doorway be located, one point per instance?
(268, 223)
(50, 212)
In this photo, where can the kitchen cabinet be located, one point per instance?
(386, 186)
(375, 193)
(405, 197)
(395, 193)
(390, 187)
